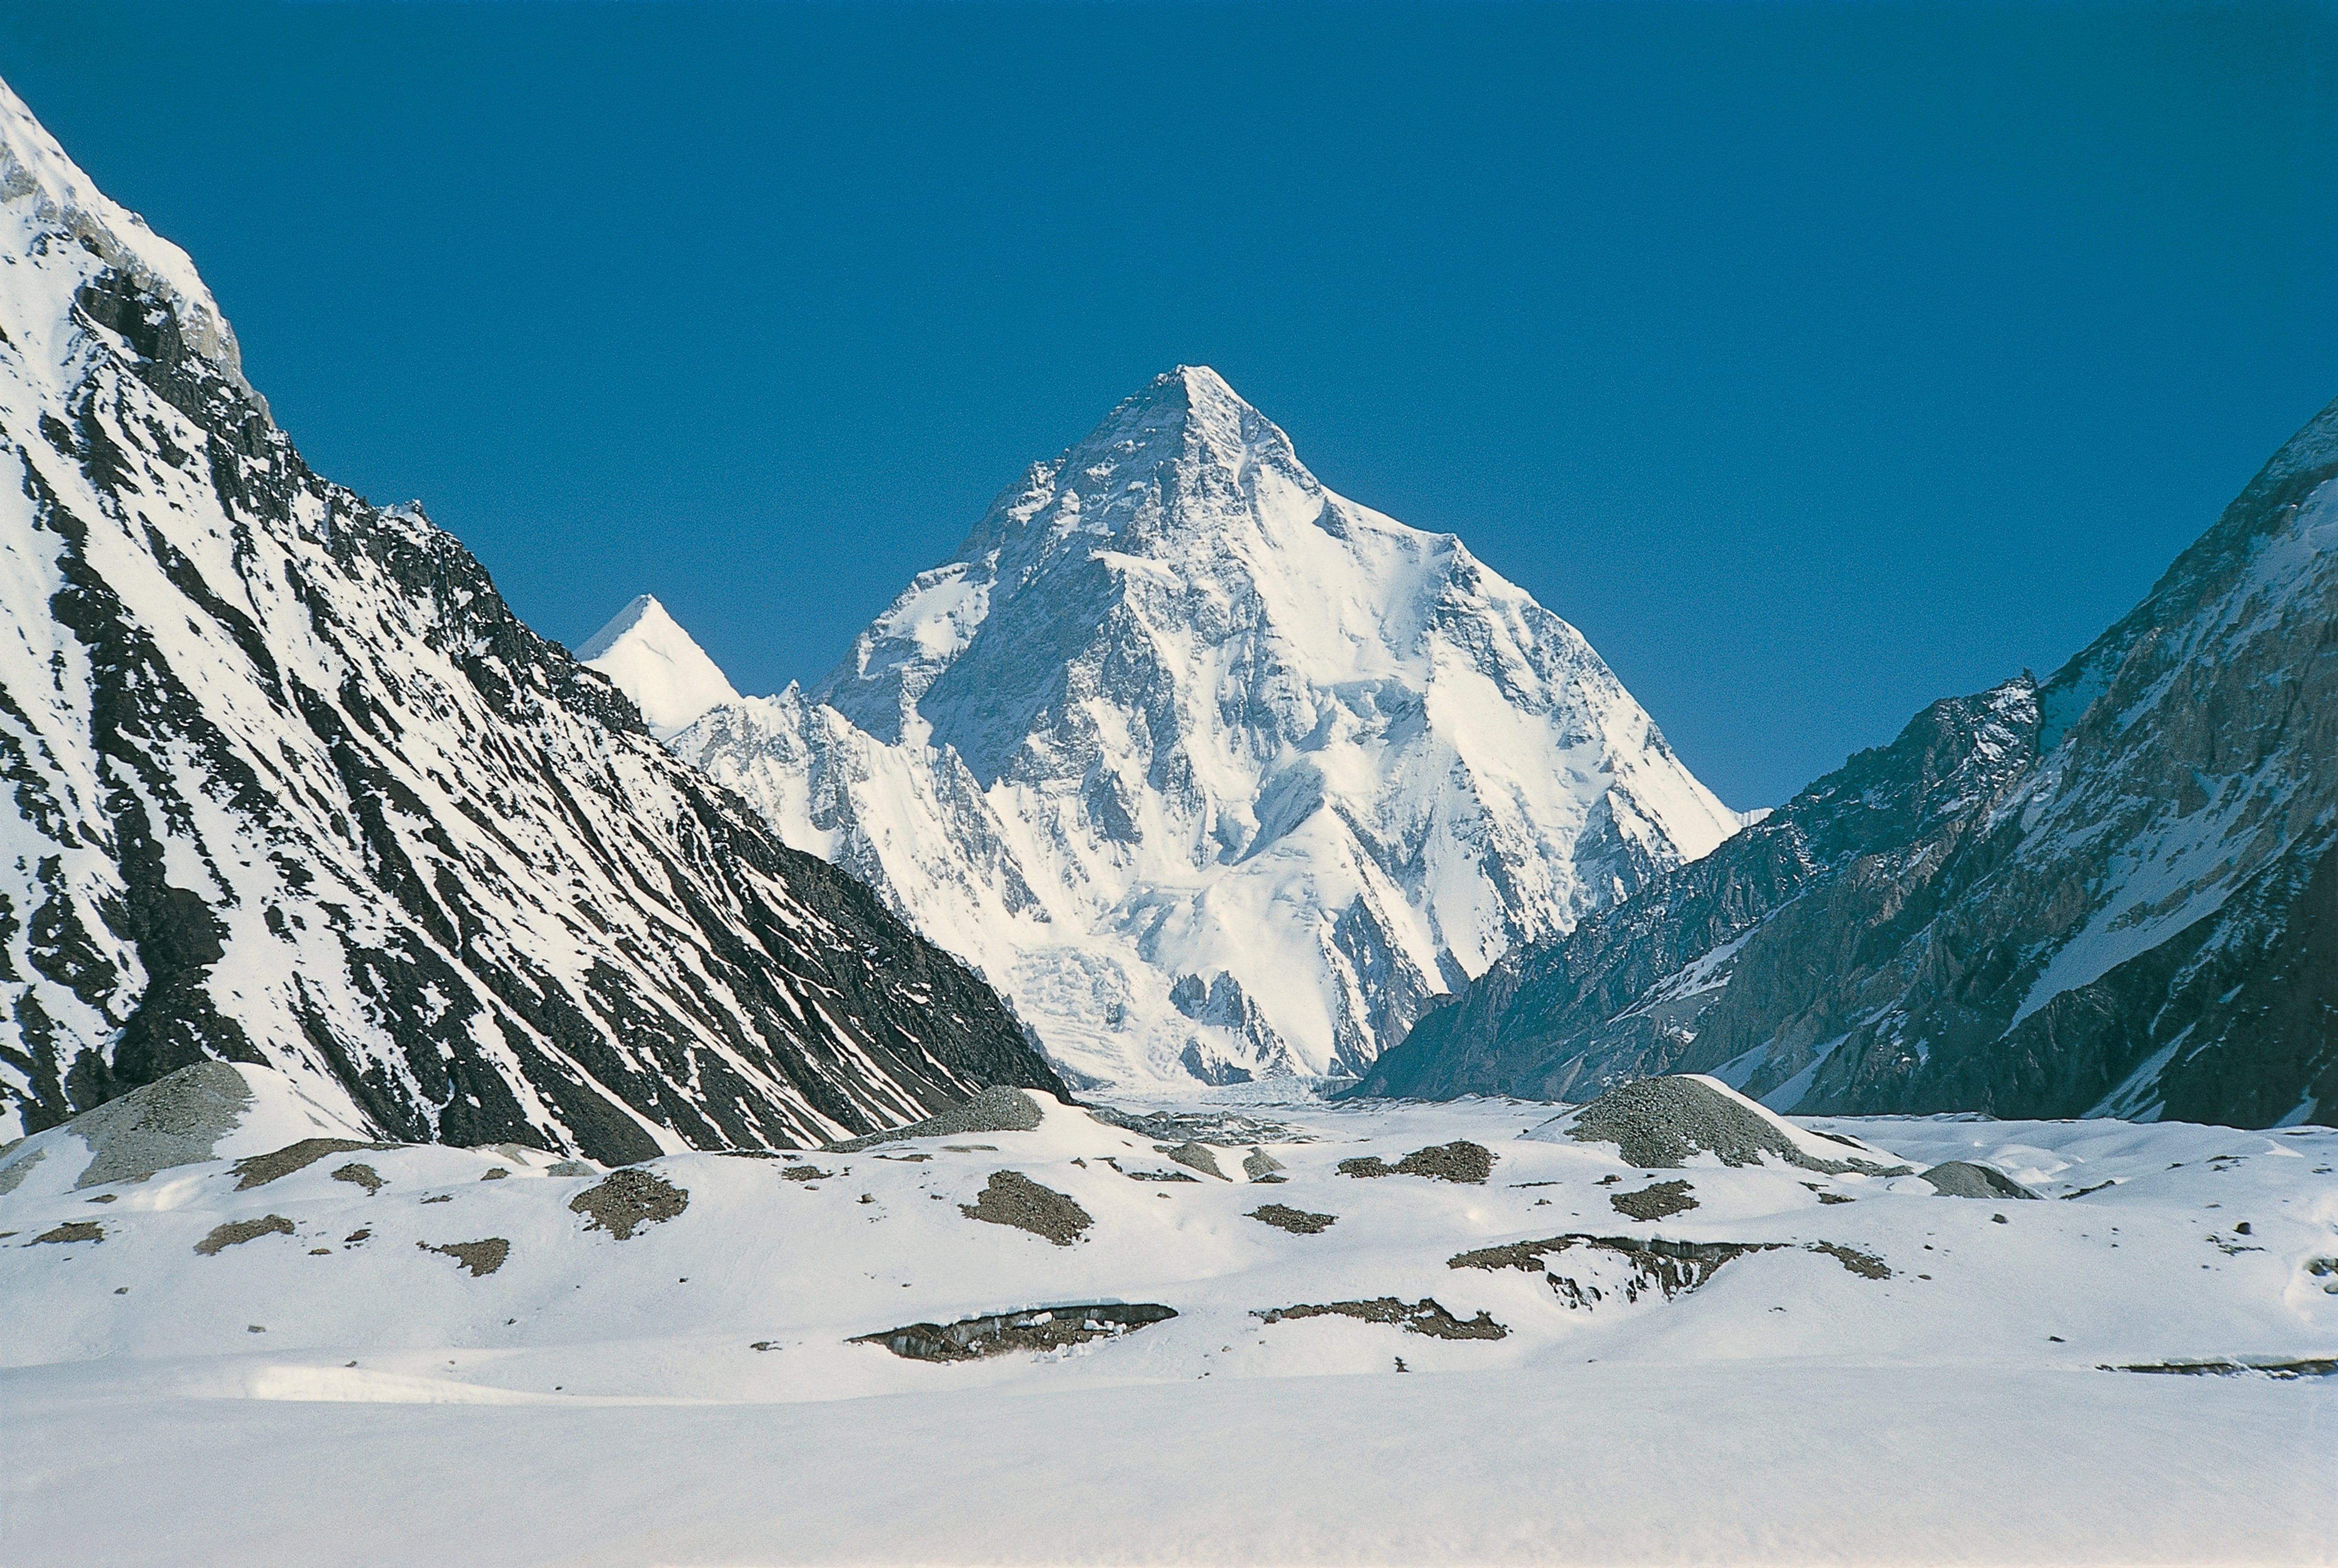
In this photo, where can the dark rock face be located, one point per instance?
(293, 787)
(2114, 894)
(1635, 992)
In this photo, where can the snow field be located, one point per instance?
(605, 1400)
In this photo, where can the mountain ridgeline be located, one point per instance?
(2114, 894)
(1213, 772)
(292, 786)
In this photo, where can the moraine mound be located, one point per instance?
(999, 1108)
(208, 1110)
(1963, 1178)
(1658, 1123)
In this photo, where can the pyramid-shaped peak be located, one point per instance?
(640, 608)
(652, 659)
(1203, 385)
(1189, 411)
(1187, 391)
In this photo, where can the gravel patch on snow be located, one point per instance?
(177, 1119)
(1039, 1329)
(1195, 1156)
(1011, 1198)
(1963, 1178)
(628, 1198)
(481, 1258)
(236, 1232)
(1460, 1161)
(259, 1170)
(14, 1176)
(1655, 1201)
(364, 1176)
(1423, 1317)
(1297, 1221)
(997, 1109)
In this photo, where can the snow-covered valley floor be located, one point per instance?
(239, 1363)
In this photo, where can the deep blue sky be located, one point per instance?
(1815, 361)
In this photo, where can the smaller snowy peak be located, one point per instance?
(648, 656)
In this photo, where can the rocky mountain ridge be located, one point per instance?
(2112, 894)
(293, 787)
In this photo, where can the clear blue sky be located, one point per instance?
(1815, 361)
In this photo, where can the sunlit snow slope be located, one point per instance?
(1212, 771)
(658, 664)
(292, 786)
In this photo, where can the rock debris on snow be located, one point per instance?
(629, 1198)
(1657, 1123)
(1964, 1178)
(1011, 1198)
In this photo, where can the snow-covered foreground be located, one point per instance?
(328, 1389)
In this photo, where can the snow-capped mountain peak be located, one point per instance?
(1231, 770)
(32, 164)
(646, 654)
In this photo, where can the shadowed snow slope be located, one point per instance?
(650, 658)
(1209, 770)
(1798, 1365)
(2116, 892)
(292, 786)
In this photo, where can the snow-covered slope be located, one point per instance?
(649, 657)
(1575, 1360)
(1212, 771)
(292, 786)
(2113, 893)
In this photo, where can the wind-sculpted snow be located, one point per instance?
(292, 786)
(1212, 771)
(2114, 893)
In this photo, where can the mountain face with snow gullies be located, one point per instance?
(293, 787)
(649, 657)
(1213, 772)
(2113, 894)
